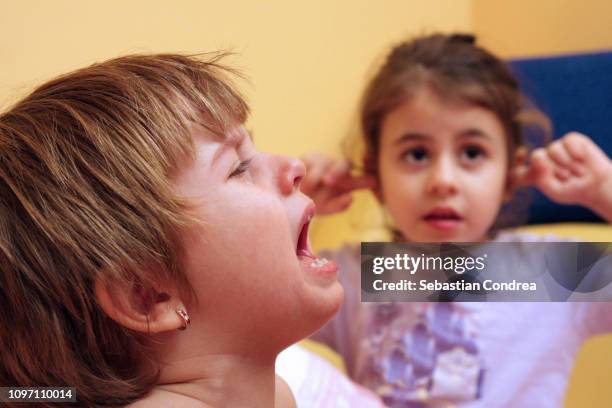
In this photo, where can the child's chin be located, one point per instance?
(436, 235)
(323, 305)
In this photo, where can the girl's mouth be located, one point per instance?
(310, 262)
(443, 218)
(303, 246)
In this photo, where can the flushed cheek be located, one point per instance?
(403, 181)
(402, 197)
(264, 248)
(484, 200)
(488, 187)
(248, 236)
(236, 273)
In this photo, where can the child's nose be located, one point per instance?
(443, 179)
(291, 173)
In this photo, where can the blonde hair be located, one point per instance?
(86, 165)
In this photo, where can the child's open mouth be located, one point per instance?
(443, 218)
(308, 260)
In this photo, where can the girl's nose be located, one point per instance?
(443, 179)
(291, 173)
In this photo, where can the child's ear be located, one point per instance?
(517, 172)
(370, 166)
(147, 311)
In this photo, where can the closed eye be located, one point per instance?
(240, 169)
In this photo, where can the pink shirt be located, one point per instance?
(468, 354)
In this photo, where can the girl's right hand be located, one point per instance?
(330, 183)
(571, 170)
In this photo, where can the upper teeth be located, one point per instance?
(319, 262)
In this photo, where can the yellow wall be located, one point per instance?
(306, 61)
(515, 28)
(510, 28)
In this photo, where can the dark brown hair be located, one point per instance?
(455, 68)
(86, 166)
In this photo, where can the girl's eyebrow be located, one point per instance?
(412, 136)
(474, 133)
(470, 133)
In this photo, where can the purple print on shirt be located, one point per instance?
(420, 353)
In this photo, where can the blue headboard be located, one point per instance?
(575, 91)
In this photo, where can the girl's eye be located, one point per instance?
(415, 155)
(242, 167)
(473, 153)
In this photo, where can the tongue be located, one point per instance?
(305, 254)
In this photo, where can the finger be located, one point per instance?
(526, 174)
(578, 169)
(585, 150)
(312, 157)
(337, 171)
(559, 154)
(552, 188)
(357, 183)
(576, 145)
(521, 176)
(316, 168)
(562, 174)
(336, 204)
(341, 202)
(544, 174)
(541, 166)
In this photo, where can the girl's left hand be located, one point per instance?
(571, 170)
(330, 184)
